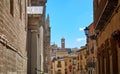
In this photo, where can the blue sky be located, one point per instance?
(67, 20)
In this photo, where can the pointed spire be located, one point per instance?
(48, 18)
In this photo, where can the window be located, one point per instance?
(92, 49)
(59, 64)
(69, 60)
(81, 67)
(70, 70)
(65, 71)
(11, 7)
(59, 72)
(80, 57)
(74, 62)
(20, 8)
(65, 63)
(78, 66)
(52, 66)
(85, 55)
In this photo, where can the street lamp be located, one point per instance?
(86, 31)
(92, 37)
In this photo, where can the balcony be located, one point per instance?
(103, 11)
(74, 62)
(91, 64)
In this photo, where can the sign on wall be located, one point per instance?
(35, 10)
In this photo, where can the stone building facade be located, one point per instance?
(70, 64)
(38, 38)
(91, 50)
(82, 60)
(13, 25)
(58, 66)
(47, 36)
(64, 65)
(107, 28)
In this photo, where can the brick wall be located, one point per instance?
(13, 37)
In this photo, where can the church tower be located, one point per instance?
(62, 43)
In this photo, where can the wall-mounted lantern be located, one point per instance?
(92, 37)
(86, 31)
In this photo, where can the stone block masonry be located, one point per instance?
(13, 54)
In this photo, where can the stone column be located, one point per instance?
(33, 45)
(41, 48)
(34, 51)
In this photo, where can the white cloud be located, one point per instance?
(80, 39)
(81, 29)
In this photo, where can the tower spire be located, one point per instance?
(48, 18)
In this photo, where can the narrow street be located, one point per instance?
(59, 37)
